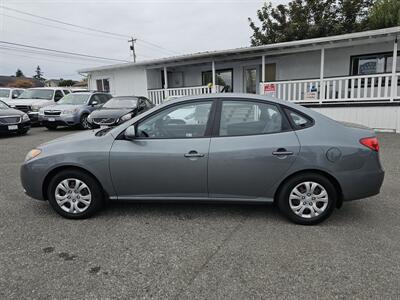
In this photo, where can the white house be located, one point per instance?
(351, 77)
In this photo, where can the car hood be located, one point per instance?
(62, 107)
(10, 112)
(110, 112)
(38, 102)
(80, 137)
(4, 98)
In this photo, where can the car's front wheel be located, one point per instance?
(84, 124)
(307, 198)
(75, 194)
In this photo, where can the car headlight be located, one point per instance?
(69, 111)
(35, 108)
(32, 154)
(25, 117)
(41, 112)
(125, 117)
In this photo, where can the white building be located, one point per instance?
(351, 77)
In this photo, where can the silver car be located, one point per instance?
(72, 110)
(223, 147)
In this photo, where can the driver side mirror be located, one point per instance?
(130, 133)
(94, 103)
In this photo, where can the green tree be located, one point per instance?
(66, 82)
(303, 19)
(19, 73)
(38, 74)
(384, 13)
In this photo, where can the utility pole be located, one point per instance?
(133, 41)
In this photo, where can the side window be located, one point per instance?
(249, 118)
(299, 120)
(104, 98)
(183, 121)
(58, 95)
(66, 92)
(96, 98)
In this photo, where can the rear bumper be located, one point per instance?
(366, 185)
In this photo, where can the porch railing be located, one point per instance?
(159, 95)
(374, 87)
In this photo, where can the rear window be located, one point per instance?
(298, 119)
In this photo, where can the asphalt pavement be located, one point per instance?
(196, 251)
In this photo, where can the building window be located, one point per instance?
(223, 78)
(103, 85)
(373, 64)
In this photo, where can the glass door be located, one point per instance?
(251, 80)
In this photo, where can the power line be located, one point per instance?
(41, 54)
(76, 31)
(65, 23)
(59, 27)
(63, 52)
(86, 28)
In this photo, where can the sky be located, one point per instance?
(163, 28)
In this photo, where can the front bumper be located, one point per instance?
(32, 181)
(34, 117)
(20, 127)
(61, 120)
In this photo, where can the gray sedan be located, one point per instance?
(226, 147)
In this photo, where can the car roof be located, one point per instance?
(48, 88)
(126, 97)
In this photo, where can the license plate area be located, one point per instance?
(51, 119)
(12, 127)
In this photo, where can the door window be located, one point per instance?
(249, 118)
(183, 121)
(58, 95)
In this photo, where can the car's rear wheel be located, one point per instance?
(74, 194)
(307, 198)
(51, 127)
(84, 122)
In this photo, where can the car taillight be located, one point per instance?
(371, 142)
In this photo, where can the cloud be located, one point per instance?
(182, 26)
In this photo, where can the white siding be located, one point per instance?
(378, 117)
(123, 82)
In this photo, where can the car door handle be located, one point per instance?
(282, 152)
(193, 153)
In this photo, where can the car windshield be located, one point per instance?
(4, 93)
(76, 99)
(3, 106)
(121, 103)
(44, 94)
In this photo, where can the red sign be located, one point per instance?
(269, 88)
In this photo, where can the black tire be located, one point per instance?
(23, 132)
(51, 127)
(83, 123)
(97, 197)
(290, 184)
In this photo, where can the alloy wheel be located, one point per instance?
(308, 199)
(73, 195)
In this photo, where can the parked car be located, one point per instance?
(72, 110)
(119, 110)
(31, 100)
(222, 147)
(12, 120)
(8, 94)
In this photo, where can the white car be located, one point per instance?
(31, 100)
(9, 94)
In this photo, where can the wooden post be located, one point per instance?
(321, 77)
(393, 93)
(165, 83)
(262, 74)
(214, 87)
